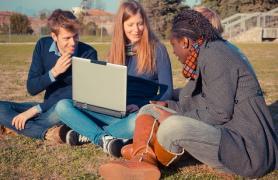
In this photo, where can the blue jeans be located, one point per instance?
(35, 127)
(180, 133)
(94, 125)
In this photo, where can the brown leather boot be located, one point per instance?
(143, 164)
(126, 151)
(140, 167)
(163, 156)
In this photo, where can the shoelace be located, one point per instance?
(106, 140)
(83, 139)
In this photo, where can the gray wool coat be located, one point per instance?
(227, 95)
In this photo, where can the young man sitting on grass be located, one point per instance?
(51, 72)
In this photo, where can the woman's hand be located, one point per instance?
(161, 103)
(132, 108)
(162, 114)
(19, 121)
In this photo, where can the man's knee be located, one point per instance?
(145, 109)
(178, 124)
(172, 129)
(63, 106)
(167, 129)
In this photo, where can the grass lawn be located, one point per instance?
(25, 158)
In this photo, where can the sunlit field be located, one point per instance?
(25, 158)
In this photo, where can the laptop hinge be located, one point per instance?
(98, 62)
(119, 114)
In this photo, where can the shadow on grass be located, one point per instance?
(173, 169)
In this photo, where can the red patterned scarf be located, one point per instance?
(190, 64)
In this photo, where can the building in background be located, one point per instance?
(5, 17)
(101, 18)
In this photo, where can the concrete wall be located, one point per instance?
(252, 35)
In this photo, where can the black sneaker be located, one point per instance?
(112, 145)
(73, 138)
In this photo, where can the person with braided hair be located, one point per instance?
(215, 21)
(220, 118)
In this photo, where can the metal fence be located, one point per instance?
(242, 22)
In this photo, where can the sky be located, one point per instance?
(32, 7)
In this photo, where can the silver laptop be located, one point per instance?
(99, 86)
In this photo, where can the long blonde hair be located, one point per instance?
(145, 47)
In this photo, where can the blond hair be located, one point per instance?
(145, 47)
(212, 16)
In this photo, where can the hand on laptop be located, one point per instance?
(132, 108)
(62, 64)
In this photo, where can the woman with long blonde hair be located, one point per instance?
(142, 42)
(149, 79)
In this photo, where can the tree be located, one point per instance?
(4, 28)
(226, 8)
(20, 24)
(45, 30)
(89, 29)
(43, 14)
(161, 13)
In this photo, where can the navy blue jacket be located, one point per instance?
(42, 62)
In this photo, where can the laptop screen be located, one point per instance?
(99, 84)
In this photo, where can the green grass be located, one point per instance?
(25, 158)
(18, 38)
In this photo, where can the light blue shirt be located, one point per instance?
(54, 48)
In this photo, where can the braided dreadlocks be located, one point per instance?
(194, 25)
